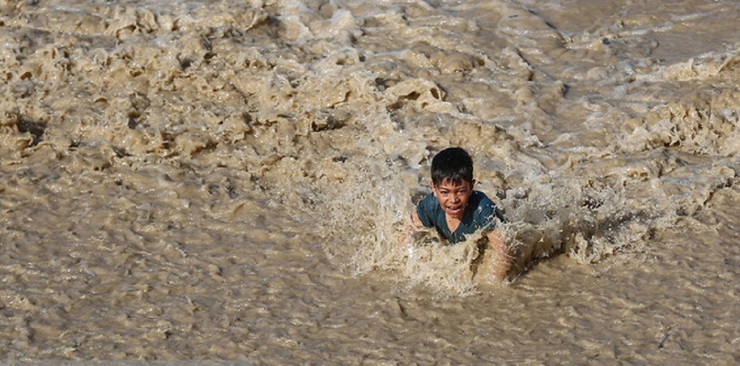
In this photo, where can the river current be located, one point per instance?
(227, 180)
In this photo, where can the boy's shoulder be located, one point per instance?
(481, 201)
(485, 207)
(480, 196)
(428, 200)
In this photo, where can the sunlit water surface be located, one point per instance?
(198, 180)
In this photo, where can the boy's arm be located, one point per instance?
(503, 257)
(416, 221)
(410, 229)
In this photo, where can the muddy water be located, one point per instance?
(227, 180)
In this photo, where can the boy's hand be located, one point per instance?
(503, 257)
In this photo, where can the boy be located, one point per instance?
(456, 210)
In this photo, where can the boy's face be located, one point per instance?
(453, 197)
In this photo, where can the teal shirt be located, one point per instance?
(481, 213)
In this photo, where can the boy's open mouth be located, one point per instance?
(455, 210)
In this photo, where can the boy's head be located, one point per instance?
(452, 164)
(452, 180)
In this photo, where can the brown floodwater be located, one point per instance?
(196, 180)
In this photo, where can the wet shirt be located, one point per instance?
(480, 213)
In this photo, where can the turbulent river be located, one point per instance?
(227, 180)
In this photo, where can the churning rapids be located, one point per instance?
(226, 180)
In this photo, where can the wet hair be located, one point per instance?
(453, 164)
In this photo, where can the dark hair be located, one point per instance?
(453, 164)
